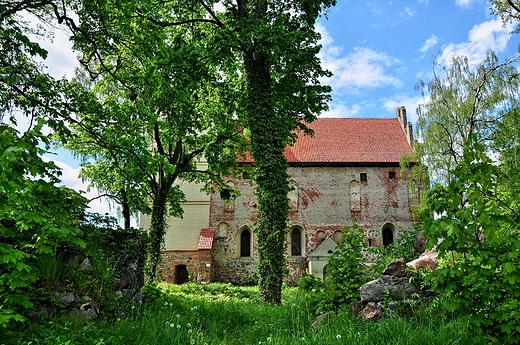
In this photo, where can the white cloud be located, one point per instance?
(408, 11)
(410, 104)
(490, 35)
(61, 59)
(70, 178)
(361, 68)
(341, 110)
(465, 3)
(430, 42)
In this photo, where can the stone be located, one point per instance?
(85, 266)
(423, 262)
(320, 319)
(89, 310)
(427, 260)
(398, 288)
(355, 307)
(397, 268)
(372, 311)
(419, 242)
(68, 298)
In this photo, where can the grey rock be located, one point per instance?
(89, 310)
(398, 288)
(68, 298)
(85, 266)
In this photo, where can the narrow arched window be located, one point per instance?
(355, 196)
(296, 242)
(245, 243)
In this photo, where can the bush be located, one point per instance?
(345, 273)
(403, 247)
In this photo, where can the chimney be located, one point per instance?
(405, 125)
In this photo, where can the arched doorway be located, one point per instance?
(388, 235)
(181, 274)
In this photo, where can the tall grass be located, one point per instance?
(226, 314)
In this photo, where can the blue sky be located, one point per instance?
(377, 49)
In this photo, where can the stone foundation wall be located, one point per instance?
(171, 259)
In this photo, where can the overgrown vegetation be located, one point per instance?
(225, 314)
(345, 274)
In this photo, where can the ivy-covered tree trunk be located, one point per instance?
(158, 224)
(268, 140)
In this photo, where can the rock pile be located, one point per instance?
(393, 289)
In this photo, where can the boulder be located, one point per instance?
(419, 242)
(398, 288)
(428, 259)
(68, 298)
(89, 311)
(85, 266)
(397, 268)
(372, 311)
(320, 319)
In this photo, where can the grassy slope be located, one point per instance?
(225, 314)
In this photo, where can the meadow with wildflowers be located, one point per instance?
(225, 314)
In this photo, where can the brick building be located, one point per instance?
(348, 169)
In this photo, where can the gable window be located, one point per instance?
(363, 177)
(296, 242)
(391, 175)
(245, 243)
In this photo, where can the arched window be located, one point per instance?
(388, 233)
(320, 237)
(355, 196)
(296, 242)
(338, 235)
(245, 243)
(222, 230)
(293, 196)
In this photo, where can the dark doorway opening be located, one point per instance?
(388, 236)
(181, 274)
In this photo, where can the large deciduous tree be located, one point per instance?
(463, 100)
(468, 130)
(508, 10)
(278, 46)
(164, 104)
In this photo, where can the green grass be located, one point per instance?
(226, 314)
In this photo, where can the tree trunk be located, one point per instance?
(267, 146)
(158, 226)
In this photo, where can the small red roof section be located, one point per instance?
(349, 140)
(206, 239)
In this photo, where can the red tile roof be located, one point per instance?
(206, 239)
(350, 140)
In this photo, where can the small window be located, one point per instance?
(370, 242)
(296, 242)
(391, 175)
(363, 177)
(245, 243)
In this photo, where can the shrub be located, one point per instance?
(345, 273)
